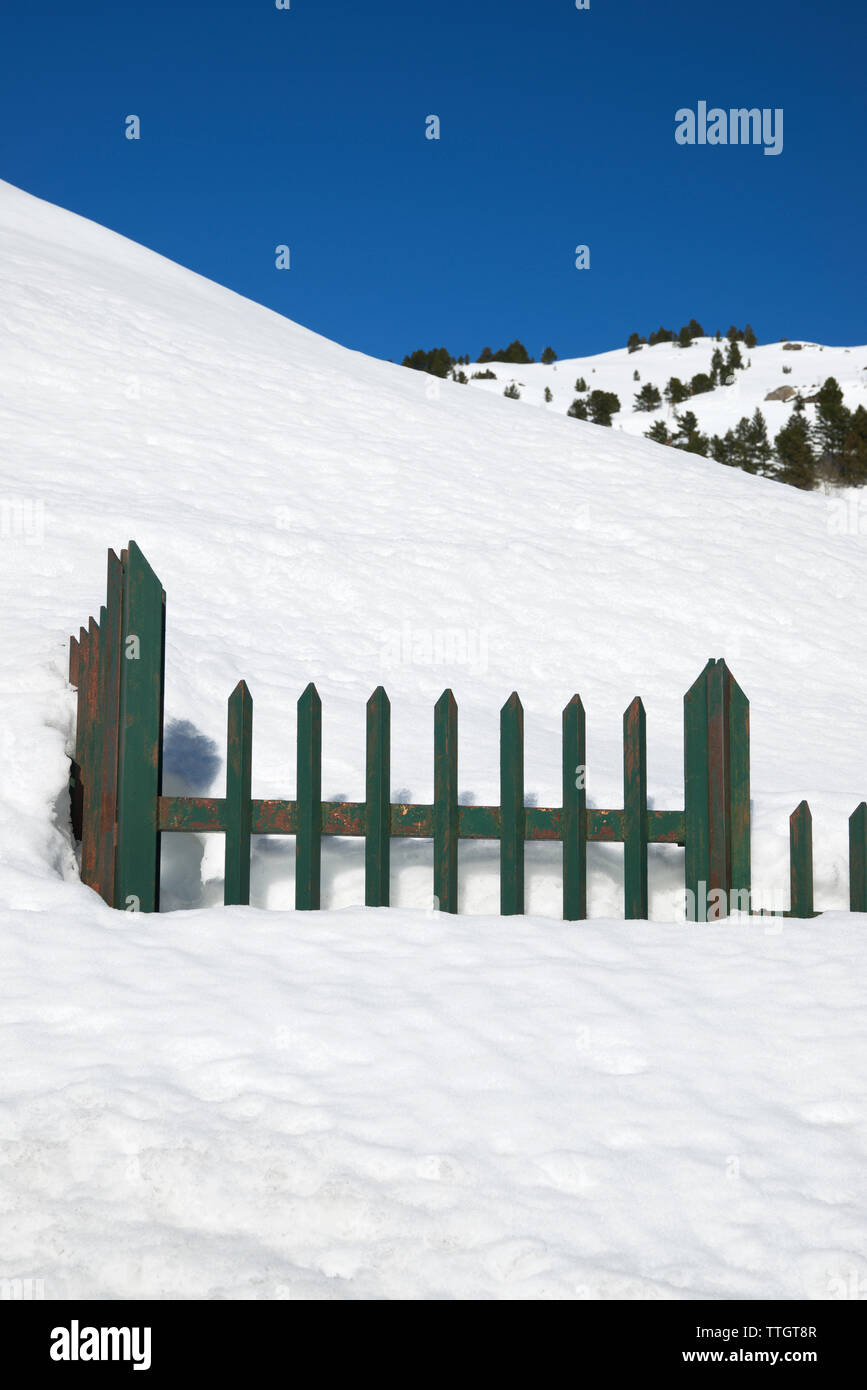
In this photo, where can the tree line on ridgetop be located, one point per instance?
(832, 448)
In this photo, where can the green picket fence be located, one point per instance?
(119, 812)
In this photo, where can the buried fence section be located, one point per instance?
(119, 812)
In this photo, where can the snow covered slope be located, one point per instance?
(716, 411)
(213, 1101)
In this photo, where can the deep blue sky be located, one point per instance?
(307, 127)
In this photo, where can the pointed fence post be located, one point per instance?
(512, 814)
(858, 859)
(142, 667)
(377, 818)
(801, 861)
(308, 834)
(445, 838)
(574, 821)
(239, 772)
(717, 792)
(635, 811)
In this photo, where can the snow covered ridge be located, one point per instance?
(800, 365)
(363, 1103)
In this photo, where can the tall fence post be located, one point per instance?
(239, 754)
(635, 811)
(512, 814)
(308, 833)
(377, 814)
(858, 859)
(717, 794)
(445, 837)
(801, 862)
(574, 825)
(140, 756)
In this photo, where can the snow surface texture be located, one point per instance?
(363, 1103)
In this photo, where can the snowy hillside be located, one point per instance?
(380, 1103)
(809, 366)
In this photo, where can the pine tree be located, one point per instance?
(688, 436)
(796, 461)
(549, 395)
(580, 384)
(748, 445)
(716, 366)
(634, 342)
(832, 423)
(750, 339)
(733, 358)
(548, 356)
(636, 376)
(853, 470)
(700, 383)
(602, 405)
(485, 355)
(695, 329)
(648, 398)
(658, 432)
(675, 392)
(684, 338)
(578, 409)
(512, 392)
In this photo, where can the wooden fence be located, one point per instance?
(119, 812)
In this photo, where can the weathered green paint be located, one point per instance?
(239, 774)
(635, 811)
(308, 843)
(573, 827)
(719, 847)
(74, 770)
(378, 805)
(695, 777)
(119, 751)
(801, 861)
(91, 760)
(739, 789)
(109, 705)
(512, 807)
(137, 857)
(446, 828)
(858, 859)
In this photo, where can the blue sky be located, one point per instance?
(306, 127)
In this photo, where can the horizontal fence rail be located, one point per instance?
(119, 813)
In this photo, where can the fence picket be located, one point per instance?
(512, 807)
(635, 811)
(445, 835)
(377, 818)
(801, 861)
(858, 859)
(574, 821)
(142, 666)
(239, 767)
(308, 833)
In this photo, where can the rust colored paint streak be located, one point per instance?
(604, 825)
(412, 822)
(201, 814)
(343, 817)
(273, 818)
(90, 807)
